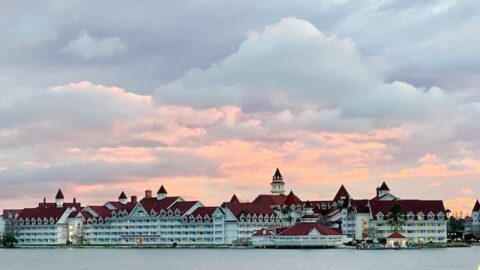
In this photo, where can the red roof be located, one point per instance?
(102, 211)
(395, 235)
(292, 199)
(270, 199)
(183, 206)
(341, 194)
(234, 199)
(252, 208)
(120, 206)
(204, 211)
(262, 232)
(59, 194)
(476, 208)
(414, 206)
(361, 206)
(306, 228)
(48, 213)
(157, 205)
(162, 190)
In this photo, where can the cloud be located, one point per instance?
(88, 47)
(295, 69)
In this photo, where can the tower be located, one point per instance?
(122, 198)
(59, 198)
(161, 193)
(277, 185)
(383, 190)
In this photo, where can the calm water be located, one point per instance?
(236, 259)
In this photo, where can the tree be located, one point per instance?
(9, 240)
(395, 218)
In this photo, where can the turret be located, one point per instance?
(123, 198)
(161, 193)
(59, 198)
(277, 185)
(382, 190)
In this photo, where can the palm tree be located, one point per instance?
(395, 218)
(9, 240)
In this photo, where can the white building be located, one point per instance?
(2, 226)
(472, 224)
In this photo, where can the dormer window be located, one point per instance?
(292, 207)
(170, 212)
(27, 221)
(272, 218)
(206, 218)
(441, 216)
(22, 221)
(380, 216)
(199, 218)
(184, 219)
(242, 217)
(100, 220)
(152, 212)
(177, 213)
(420, 216)
(410, 216)
(162, 212)
(192, 219)
(254, 218)
(114, 214)
(249, 218)
(52, 221)
(431, 216)
(324, 206)
(45, 220)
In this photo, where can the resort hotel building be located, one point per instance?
(270, 220)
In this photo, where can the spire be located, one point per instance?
(59, 198)
(384, 187)
(277, 176)
(161, 193)
(59, 195)
(122, 196)
(162, 190)
(476, 208)
(234, 199)
(342, 194)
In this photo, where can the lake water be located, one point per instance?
(238, 259)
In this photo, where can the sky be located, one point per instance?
(209, 97)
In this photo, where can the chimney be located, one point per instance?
(44, 200)
(148, 193)
(133, 199)
(74, 200)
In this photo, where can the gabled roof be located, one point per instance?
(204, 211)
(251, 208)
(122, 196)
(162, 190)
(342, 193)
(384, 187)
(476, 207)
(270, 199)
(157, 205)
(395, 235)
(183, 206)
(234, 199)
(101, 211)
(59, 194)
(55, 213)
(292, 199)
(414, 206)
(120, 206)
(304, 229)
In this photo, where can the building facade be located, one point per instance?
(164, 220)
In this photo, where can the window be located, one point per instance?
(410, 216)
(380, 216)
(441, 216)
(420, 216)
(431, 216)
